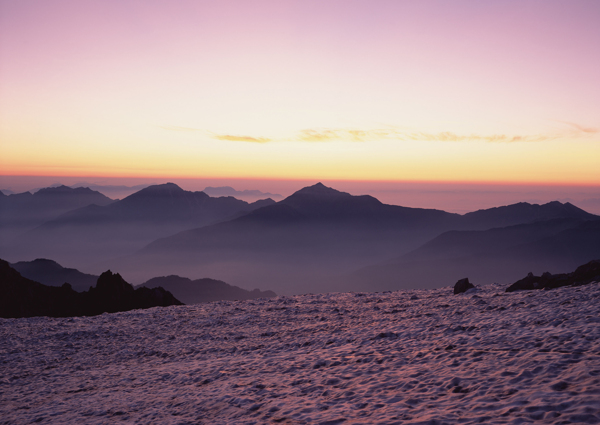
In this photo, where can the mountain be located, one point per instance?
(22, 297)
(94, 232)
(496, 255)
(24, 211)
(302, 242)
(317, 231)
(204, 290)
(524, 212)
(51, 273)
(113, 191)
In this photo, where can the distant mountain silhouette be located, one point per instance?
(315, 231)
(495, 255)
(301, 242)
(51, 273)
(230, 191)
(95, 232)
(524, 213)
(22, 297)
(204, 290)
(24, 211)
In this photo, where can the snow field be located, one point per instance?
(409, 357)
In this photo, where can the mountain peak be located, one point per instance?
(320, 190)
(158, 190)
(165, 187)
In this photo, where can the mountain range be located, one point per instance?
(309, 242)
(98, 232)
(316, 240)
(21, 212)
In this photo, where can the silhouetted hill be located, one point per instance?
(495, 255)
(51, 273)
(204, 290)
(583, 275)
(22, 297)
(97, 232)
(524, 213)
(463, 243)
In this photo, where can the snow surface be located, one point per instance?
(424, 357)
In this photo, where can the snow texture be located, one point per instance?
(410, 357)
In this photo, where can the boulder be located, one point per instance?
(463, 285)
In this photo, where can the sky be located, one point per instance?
(469, 92)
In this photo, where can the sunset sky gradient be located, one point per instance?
(443, 91)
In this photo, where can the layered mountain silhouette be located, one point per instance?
(95, 232)
(22, 297)
(303, 242)
(314, 232)
(496, 255)
(204, 290)
(50, 273)
(23, 211)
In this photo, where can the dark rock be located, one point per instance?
(527, 283)
(463, 285)
(22, 297)
(587, 273)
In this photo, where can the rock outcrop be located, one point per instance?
(587, 273)
(463, 285)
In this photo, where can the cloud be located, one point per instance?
(589, 130)
(326, 135)
(228, 137)
(250, 139)
(316, 135)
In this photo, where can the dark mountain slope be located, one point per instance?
(497, 255)
(204, 290)
(463, 243)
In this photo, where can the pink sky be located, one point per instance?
(480, 91)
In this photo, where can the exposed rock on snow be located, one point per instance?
(583, 275)
(402, 357)
(463, 285)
